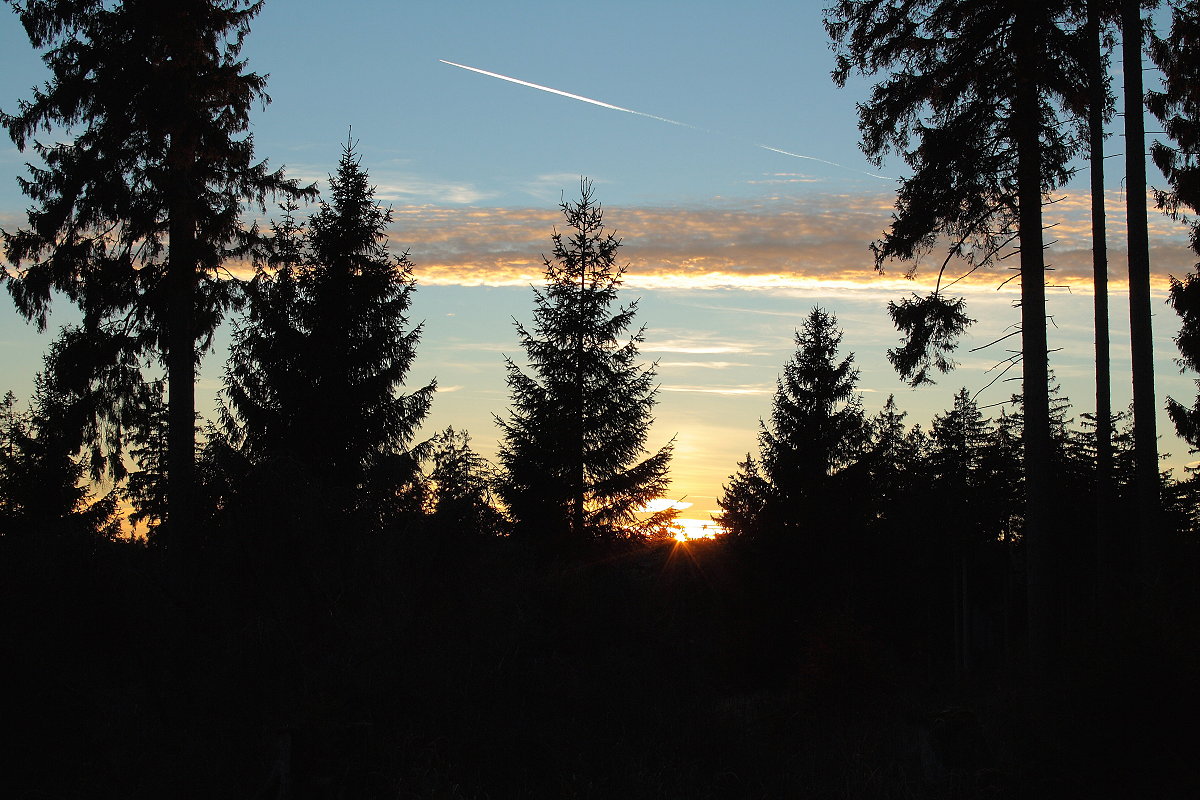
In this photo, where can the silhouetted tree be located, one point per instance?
(745, 502)
(134, 216)
(1177, 106)
(1099, 110)
(893, 458)
(1141, 335)
(970, 105)
(817, 430)
(574, 440)
(1002, 474)
(460, 486)
(43, 480)
(314, 371)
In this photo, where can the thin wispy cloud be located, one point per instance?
(694, 346)
(702, 364)
(743, 389)
(399, 187)
(551, 187)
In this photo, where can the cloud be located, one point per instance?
(703, 364)
(814, 243)
(394, 186)
(694, 343)
(743, 389)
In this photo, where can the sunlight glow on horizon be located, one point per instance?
(692, 529)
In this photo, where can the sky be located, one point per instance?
(700, 117)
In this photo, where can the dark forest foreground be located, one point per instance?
(428, 663)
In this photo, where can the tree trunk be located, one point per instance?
(1041, 579)
(580, 477)
(180, 349)
(1104, 461)
(1140, 328)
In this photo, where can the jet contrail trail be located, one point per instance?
(822, 161)
(602, 104)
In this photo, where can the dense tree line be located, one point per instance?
(334, 601)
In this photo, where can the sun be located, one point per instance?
(682, 529)
(690, 529)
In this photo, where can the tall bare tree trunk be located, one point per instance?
(1041, 577)
(1104, 459)
(577, 510)
(180, 351)
(1140, 328)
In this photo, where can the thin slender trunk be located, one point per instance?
(1041, 579)
(577, 515)
(1140, 327)
(1104, 459)
(180, 353)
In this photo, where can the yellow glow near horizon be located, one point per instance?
(691, 529)
(662, 504)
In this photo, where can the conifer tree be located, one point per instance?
(315, 369)
(1141, 334)
(957, 439)
(43, 479)
(746, 502)
(460, 486)
(133, 216)
(816, 431)
(972, 104)
(892, 459)
(1177, 106)
(573, 457)
(1099, 111)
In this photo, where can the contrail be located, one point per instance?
(602, 104)
(822, 161)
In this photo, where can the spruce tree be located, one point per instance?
(972, 103)
(460, 486)
(892, 459)
(1141, 334)
(313, 380)
(816, 432)
(44, 487)
(573, 457)
(957, 438)
(135, 214)
(1177, 106)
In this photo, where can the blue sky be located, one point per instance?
(728, 243)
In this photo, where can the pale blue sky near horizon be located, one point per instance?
(729, 243)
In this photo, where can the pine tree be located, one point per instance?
(43, 480)
(1177, 106)
(1099, 111)
(314, 372)
(972, 105)
(745, 502)
(957, 439)
(892, 458)
(816, 432)
(573, 447)
(460, 482)
(1141, 334)
(134, 216)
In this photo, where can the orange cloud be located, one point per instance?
(817, 242)
(813, 242)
